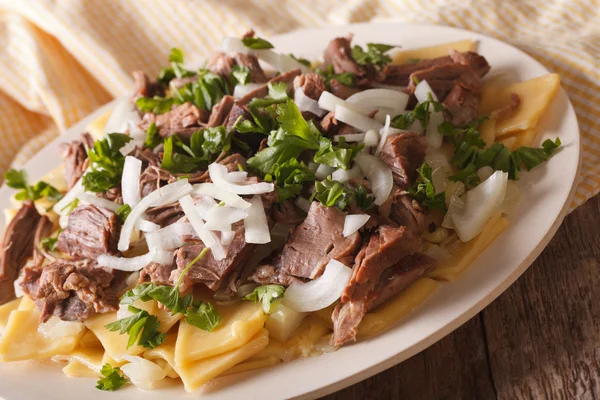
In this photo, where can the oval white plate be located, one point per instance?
(546, 194)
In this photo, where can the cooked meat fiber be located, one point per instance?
(263, 91)
(404, 153)
(158, 274)
(221, 64)
(398, 75)
(257, 75)
(165, 215)
(220, 111)
(91, 231)
(183, 120)
(341, 91)
(339, 54)
(385, 248)
(71, 291)
(42, 230)
(17, 247)
(75, 158)
(311, 84)
(145, 87)
(463, 100)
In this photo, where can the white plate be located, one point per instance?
(546, 193)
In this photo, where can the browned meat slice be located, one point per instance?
(221, 64)
(287, 213)
(463, 100)
(220, 111)
(398, 75)
(315, 241)
(158, 274)
(183, 120)
(449, 72)
(17, 247)
(236, 112)
(473, 60)
(207, 270)
(148, 156)
(263, 91)
(403, 209)
(145, 87)
(70, 291)
(386, 247)
(399, 277)
(91, 231)
(76, 159)
(339, 54)
(269, 274)
(404, 153)
(331, 126)
(312, 85)
(41, 231)
(154, 177)
(113, 194)
(342, 91)
(165, 215)
(257, 75)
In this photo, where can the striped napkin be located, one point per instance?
(60, 60)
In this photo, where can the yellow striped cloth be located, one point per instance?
(61, 59)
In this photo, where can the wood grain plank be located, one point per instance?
(454, 368)
(543, 333)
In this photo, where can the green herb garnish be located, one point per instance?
(112, 379)
(106, 163)
(141, 327)
(17, 179)
(256, 43)
(424, 191)
(266, 295)
(375, 54)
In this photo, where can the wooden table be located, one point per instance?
(540, 339)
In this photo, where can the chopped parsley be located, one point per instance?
(345, 78)
(123, 212)
(290, 177)
(177, 68)
(256, 43)
(332, 193)
(302, 61)
(71, 206)
(156, 104)
(424, 191)
(17, 179)
(106, 163)
(240, 75)
(50, 242)
(112, 379)
(375, 54)
(266, 295)
(153, 139)
(336, 155)
(420, 113)
(141, 327)
(362, 198)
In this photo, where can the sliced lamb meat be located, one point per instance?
(311, 84)
(449, 72)
(221, 64)
(70, 291)
(386, 247)
(403, 209)
(76, 159)
(165, 215)
(398, 75)
(269, 274)
(17, 247)
(463, 101)
(339, 54)
(145, 87)
(404, 153)
(287, 213)
(303, 258)
(331, 126)
(220, 111)
(91, 231)
(114, 194)
(471, 59)
(257, 75)
(207, 270)
(236, 112)
(182, 120)
(158, 274)
(342, 91)
(399, 277)
(154, 177)
(263, 91)
(42, 230)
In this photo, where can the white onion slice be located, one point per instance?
(321, 292)
(71, 195)
(256, 227)
(354, 222)
(302, 203)
(227, 237)
(481, 203)
(88, 198)
(305, 103)
(385, 132)
(161, 196)
(484, 172)
(147, 226)
(122, 114)
(242, 90)
(313, 166)
(237, 176)
(381, 98)
(323, 171)
(55, 328)
(371, 138)
(342, 175)
(281, 62)
(130, 182)
(422, 92)
(218, 174)
(142, 373)
(351, 137)
(378, 174)
(135, 263)
(204, 204)
(328, 102)
(355, 119)
(230, 199)
(170, 237)
(130, 146)
(234, 45)
(208, 238)
(432, 135)
(220, 218)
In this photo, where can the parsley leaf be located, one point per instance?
(71, 206)
(424, 191)
(123, 212)
(111, 379)
(301, 60)
(266, 294)
(50, 242)
(203, 316)
(153, 139)
(336, 155)
(106, 163)
(140, 322)
(205, 92)
(345, 78)
(156, 104)
(290, 177)
(177, 69)
(205, 145)
(256, 43)
(331, 194)
(17, 179)
(531, 157)
(278, 90)
(362, 198)
(240, 75)
(375, 54)
(421, 113)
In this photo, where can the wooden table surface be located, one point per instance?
(540, 339)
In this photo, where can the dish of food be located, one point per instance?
(239, 217)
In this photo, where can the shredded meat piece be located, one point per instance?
(17, 247)
(158, 274)
(311, 84)
(91, 231)
(42, 230)
(71, 291)
(341, 91)
(145, 87)
(220, 111)
(404, 153)
(263, 91)
(221, 64)
(75, 158)
(339, 54)
(182, 120)
(257, 75)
